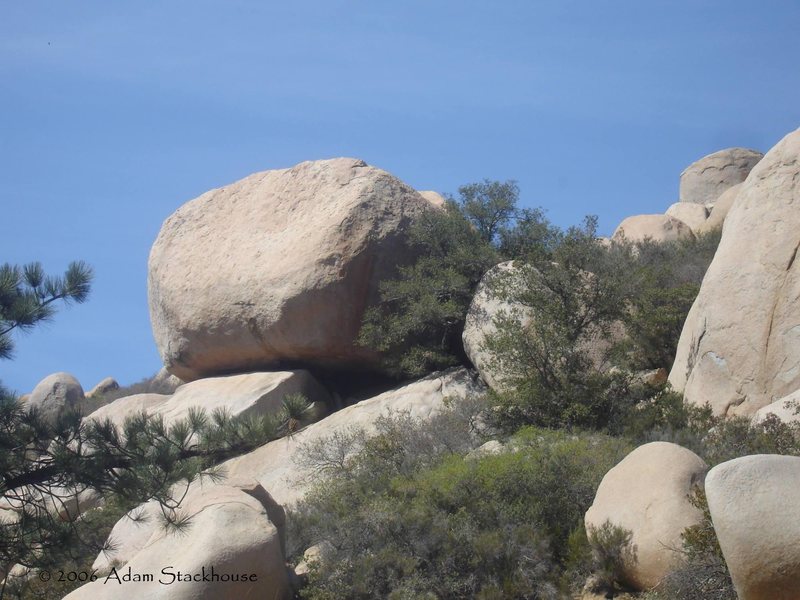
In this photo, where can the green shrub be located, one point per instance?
(490, 527)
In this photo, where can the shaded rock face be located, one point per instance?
(658, 228)
(56, 393)
(278, 268)
(233, 528)
(646, 494)
(740, 346)
(279, 467)
(756, 516)
(703, 181)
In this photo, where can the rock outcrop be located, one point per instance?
(279, 467)
(646, 494)
(786, 409)
(56, 393)
(232, 528)
(657, 228)
(740, 346)
(721, 209)
(109, 384)
(246, 394)
(278, 268)
(703, 181)
(756, 516)
(693, 215)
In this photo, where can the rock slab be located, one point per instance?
(740, 346)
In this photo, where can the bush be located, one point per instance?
(490, 527)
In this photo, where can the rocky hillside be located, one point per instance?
(552, 458)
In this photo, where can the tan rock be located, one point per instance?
(166, 381)
(740, 346)
(786, 409)
(435, 198)
(278, 465)
(694, 215)
(56, 393)
(721, 209)
(109, 384)
(279, 266)
(646, 494)
(230, 529)
(756, 516)
(657, 228)
(247, 394)
(703, 181)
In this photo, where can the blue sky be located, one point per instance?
(114, 114)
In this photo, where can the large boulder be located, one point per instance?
(278, 268)
(656, 228)
(694, 215)
(740, 346)
(721, 209)
(55, 394)
(756, 516)
(703, 181)
(279, 465)
(494, 299)
(647, 494)
(230, 530)
(240, 395)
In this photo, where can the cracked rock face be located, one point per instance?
(740, 345)
(278, 267)
(703, 181)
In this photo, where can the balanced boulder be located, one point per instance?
(278, 268)
(740, 345)
(756, 516)
(656, 228)
(55, 394)
(703, 181)
(647, 494)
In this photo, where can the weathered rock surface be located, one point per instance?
(756, 516)
(786, 409)
(278, 465)
(703, 181)
(247, 394)
(166, 380)
(657, 228)
(740, 346)
(694, 215)
(278, 267)
(646, 494)
(721, 208)
(56, 393)
(230, 529)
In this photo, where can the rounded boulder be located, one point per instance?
(278, 268)
(703, 181)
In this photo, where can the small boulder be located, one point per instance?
(656, 228)
(646, 493)
(756, 516)
(721, 209)
(109, 384)
(435, 198)
(703, 181)
(694, 215)
(56, 393)
(230, 529)
(786, 409)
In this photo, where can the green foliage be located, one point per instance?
(437, 525)
(27, 296)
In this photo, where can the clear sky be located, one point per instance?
(113, 114)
